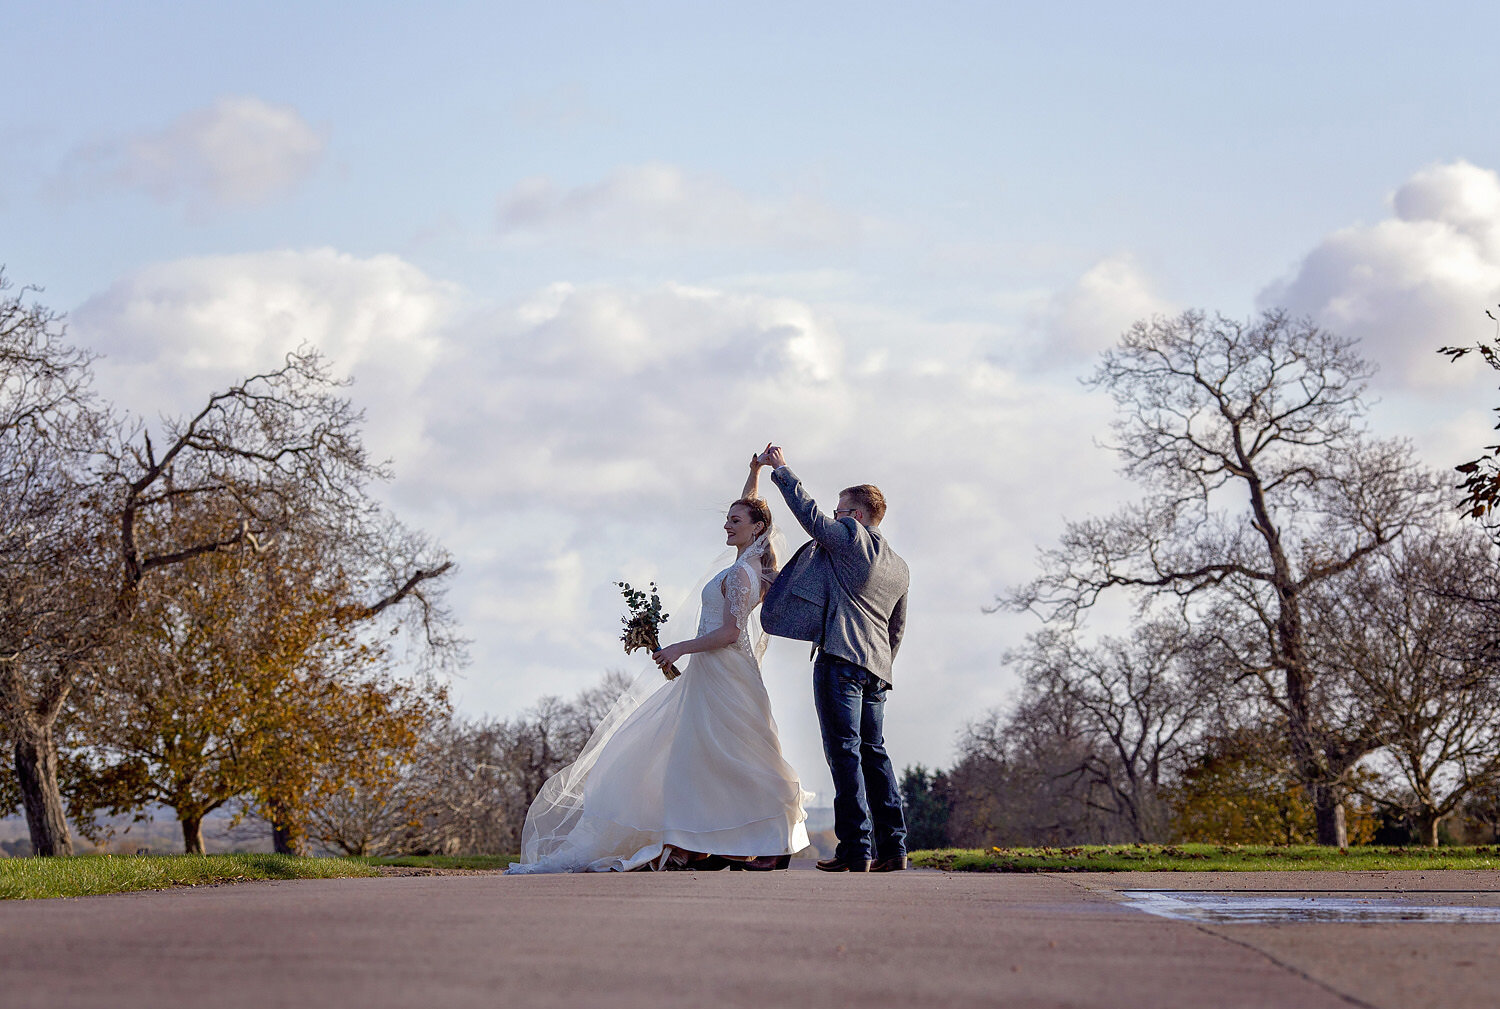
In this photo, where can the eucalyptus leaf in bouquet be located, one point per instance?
(643, 622)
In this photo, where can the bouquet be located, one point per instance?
(642, 623)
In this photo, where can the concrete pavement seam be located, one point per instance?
(1114, 897)
(1291, 968)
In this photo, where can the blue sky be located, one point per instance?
(1050, 136)
(582, 257)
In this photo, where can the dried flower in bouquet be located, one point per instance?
(642, 623)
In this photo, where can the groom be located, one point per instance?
(846, 592)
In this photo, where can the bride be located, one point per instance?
(686, 773)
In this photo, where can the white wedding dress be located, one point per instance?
(694, 763)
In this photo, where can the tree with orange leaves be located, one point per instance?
(245, 674)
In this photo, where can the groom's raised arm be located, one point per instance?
(829, 534)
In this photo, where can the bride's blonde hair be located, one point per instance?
(761, 512)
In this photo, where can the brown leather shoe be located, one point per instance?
(893, 864)
(839, 865)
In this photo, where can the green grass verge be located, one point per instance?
(443, 861)
(82, 875)
(1202, 858)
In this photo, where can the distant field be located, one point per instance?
(158, 833)
(83, 875)
(1202, 858)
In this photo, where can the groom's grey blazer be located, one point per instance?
(845, 590)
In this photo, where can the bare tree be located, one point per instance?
(1017, 779)
(10, 792)
(1263, 484)
(54, 613)
(1481, 814)
(1138, 703)
(466, 790)
(1402, 627)
(448, 769)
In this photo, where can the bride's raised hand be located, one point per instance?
(752, 482)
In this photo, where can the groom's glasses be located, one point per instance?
(839, 513)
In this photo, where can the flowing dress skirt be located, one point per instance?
(696, 764)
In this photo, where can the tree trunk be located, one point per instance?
(1427, 828)
(1328, 809)
(192, 833)
(288, 833)
(36, 773)
(288, 839)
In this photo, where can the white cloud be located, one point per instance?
(173, 332)
(1089, 316)
(660, 204)
(240, 151)
(572, 396)
(588, 434)
(1411, 283)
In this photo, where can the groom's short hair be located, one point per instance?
(868, 497)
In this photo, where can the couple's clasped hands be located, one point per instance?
(771, 457)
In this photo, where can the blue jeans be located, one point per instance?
(867, 816)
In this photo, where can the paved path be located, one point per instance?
(732, 939)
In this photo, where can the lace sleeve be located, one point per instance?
(742, 590)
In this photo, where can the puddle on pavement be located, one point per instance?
(1273, 909)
